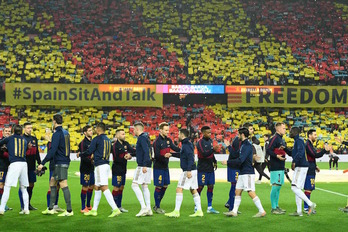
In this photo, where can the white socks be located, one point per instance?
(97, 197)
(298, 192)
(147, 196)
(258, 204)
(178, 201)
(237, 201)
(5, 197)
(25, 196)
(138, 194)
(298, 204)
(110, 199)
(197, 200)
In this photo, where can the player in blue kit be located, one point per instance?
(246, 179)
(312, 154)
(86, 171)
(101, 148)
(4, 162)
(18, 169)
(60, 154)
(121, 151)
(162, 149)
(206, 165)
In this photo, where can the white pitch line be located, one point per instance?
(328, 191)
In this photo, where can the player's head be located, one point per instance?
(250, 127)
(164, 129)
(280, 128)
(57, 120)
(243, 133)
(183, 134)
(17, 130)
(312, 135)
(120, 134)
(206, 131)
(88, 131)
(101, 128)
(266, 137)
(6, 131)
(294, 131)
(28, 128)
(255, 140)
(138, 128)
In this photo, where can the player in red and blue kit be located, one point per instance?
(4, 162)
(32, 156)
(312, 154)
(86, 171)
(121, 151)
(206, 165)
(162, 149)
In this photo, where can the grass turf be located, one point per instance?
(328, 216)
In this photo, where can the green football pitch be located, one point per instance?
(328, 217)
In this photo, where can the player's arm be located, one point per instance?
(91, 149)
(146, 151)
(53, 150)
(4, 141)
(176, 149)
(37, 155)
(271, 146)
(297, 155)
(205, 153)
(191, 157)
(131, 150)
(157, 150)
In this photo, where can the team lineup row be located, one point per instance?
(94, 168)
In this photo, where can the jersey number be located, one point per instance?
(86, 177)
(160, 179)
(1, 175)
(203, 178)
(119, 179)
(237, 175)
(312, 182)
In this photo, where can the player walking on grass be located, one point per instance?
(162, 147)
(142, 175)
(4, 162)
(86, 171)
(277, 150)
(188, 179)
(206, 165)
(312, 166)
(246, 179)
(300, 167)
(100, 150)
(18, 169)
(121, 151)
(60, 154)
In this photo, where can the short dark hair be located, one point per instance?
(267, 135)
(139, 124)
(254, 139)
(102, 126)
(17, 130)
(185, 132)
(163, 124)
(296, 129)
(247, 125)
(279, 124)
(244, 130)
(118, 130)
(310, 132)
(205, 128)
(85, 128)
(58, 118)
(26, 124)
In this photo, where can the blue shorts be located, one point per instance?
(118, 181)
(206, 178)
(310, 183)
(232, 175)
(277, 177)
(31, 176)
(3, 176)
(87, 179)
(161, 177)
(51, 174)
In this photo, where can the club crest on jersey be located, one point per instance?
(125, 147)
(167, 142)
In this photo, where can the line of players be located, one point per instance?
(94, 169)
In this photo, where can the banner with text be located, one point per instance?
(83, 95)
(287, 96)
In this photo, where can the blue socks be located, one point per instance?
(89, 197)
(232, 195)
(83, 199)
(157, 196)
(210, 196)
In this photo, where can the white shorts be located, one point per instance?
(17, 171)
(101, 174)
(142, 178)
(299, 179)
(187, 183)
(246, 182)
